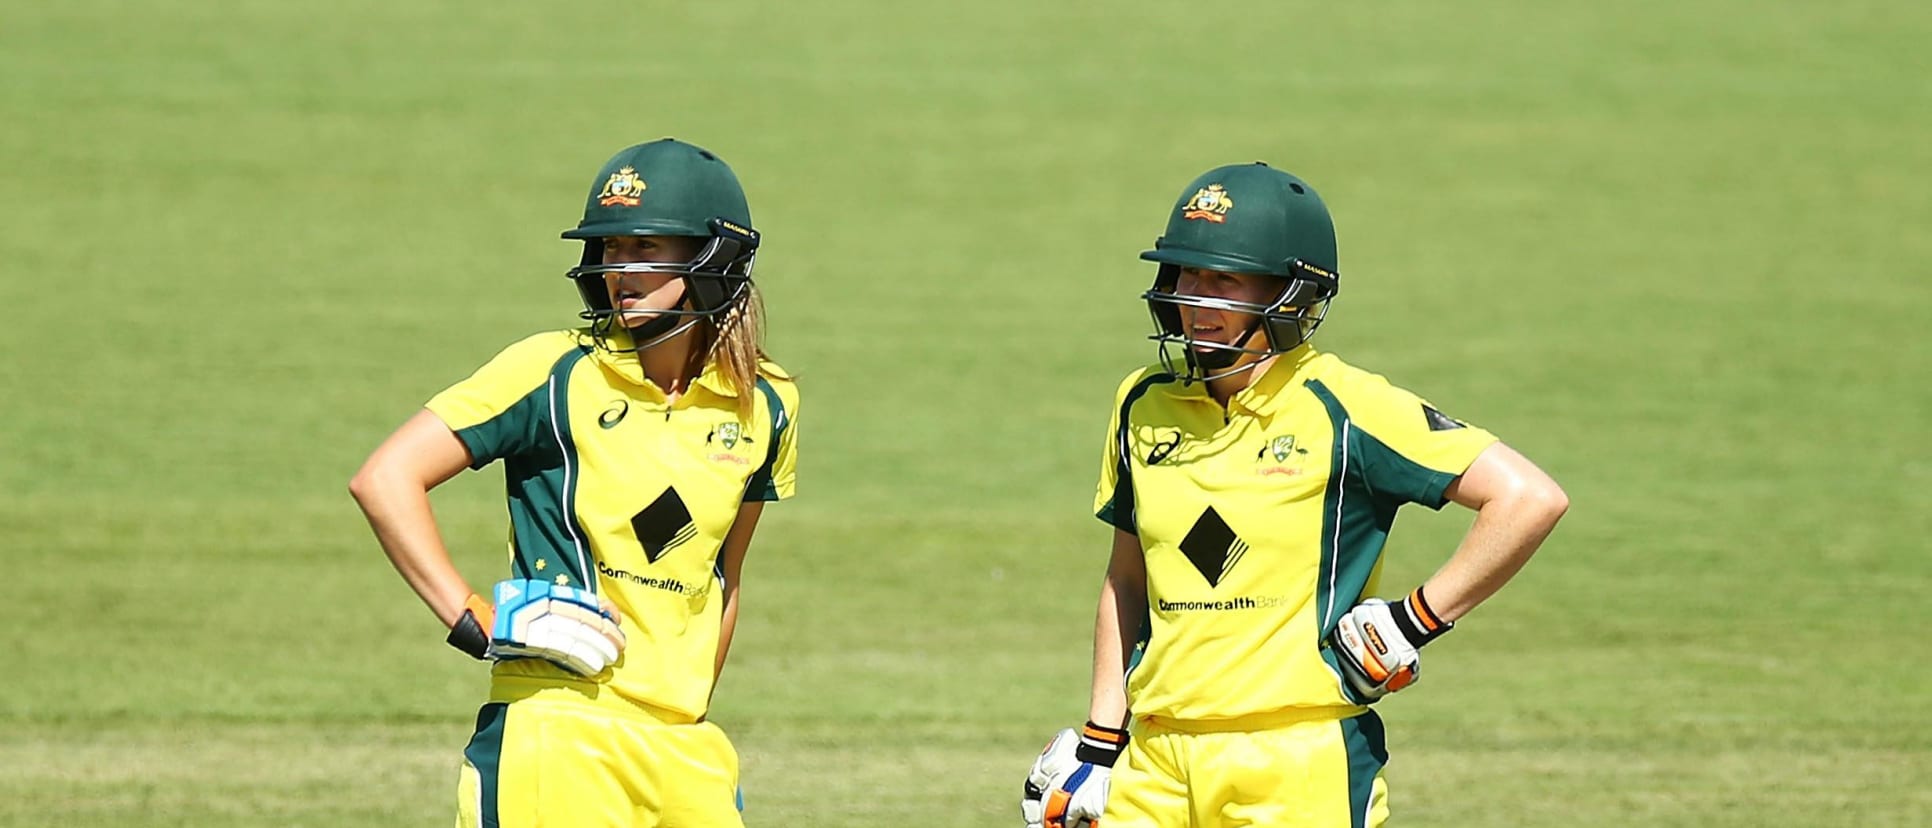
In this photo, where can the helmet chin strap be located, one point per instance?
(653, 330)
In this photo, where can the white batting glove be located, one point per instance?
(1055, 763)
(1068, 785)
(570, 627)
(1379, 644)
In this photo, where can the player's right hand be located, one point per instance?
(1379, 644)
(1055, 764)
(1068, 785)
(567, 626)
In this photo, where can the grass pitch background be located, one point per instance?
(1676, 252)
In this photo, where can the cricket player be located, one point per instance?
(1251, 481)
(637, 452)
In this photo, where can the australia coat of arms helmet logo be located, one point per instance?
(1211, 203)
(623, 188)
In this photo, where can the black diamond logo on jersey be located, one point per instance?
(1212, 547)
(663, 525)
(1439, 421)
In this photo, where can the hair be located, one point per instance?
(734, 340)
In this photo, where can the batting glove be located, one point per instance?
(1379, 644)
(1067, 787)
(564, 625)
(1055, 763)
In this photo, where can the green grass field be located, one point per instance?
(1675, 251)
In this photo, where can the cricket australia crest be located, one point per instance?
(623, 188)
(1211, 203)
(723, 438)
(1285, 453)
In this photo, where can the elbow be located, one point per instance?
(1550, 502)
(365, 483)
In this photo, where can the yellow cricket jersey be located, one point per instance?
(1263, 522)
(614, 488)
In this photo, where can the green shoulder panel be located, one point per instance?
(508, 434)
(1118, 512)
(499, 411)
(1355, 521)
(540, 483)
(760, 486)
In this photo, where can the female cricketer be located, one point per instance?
(637, 453)
(1251, 481)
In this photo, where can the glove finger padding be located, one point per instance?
(567, 626)
(1081, 800)
(1054, 764)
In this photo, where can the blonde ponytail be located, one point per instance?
(737, 347)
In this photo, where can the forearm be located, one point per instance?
(1508, 529)
(1108, 704)
(1123, 602)
(731, 561)
(727, 626)
(399, 512)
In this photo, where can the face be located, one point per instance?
(639, 296)
(1225, 327)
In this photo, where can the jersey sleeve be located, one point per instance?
(1113, 498)
(504, 409)
(777, 478)
(1406, 450)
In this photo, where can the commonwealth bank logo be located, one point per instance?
(663, 525)
(1213, 547)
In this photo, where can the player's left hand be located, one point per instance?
(1069, 783)
(1379, 644)
(567, 626)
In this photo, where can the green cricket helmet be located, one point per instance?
(1243, 218)
(665, 188)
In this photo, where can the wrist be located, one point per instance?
(1100, 745)
(1417, 620)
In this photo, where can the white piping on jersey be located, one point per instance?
(1335, 545)
(569, 513)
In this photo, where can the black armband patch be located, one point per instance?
(469, 636)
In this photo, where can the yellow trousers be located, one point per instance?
(535, 762)
(1282, 771)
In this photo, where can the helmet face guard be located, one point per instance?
(1250, 219)
(1288, 320)
(715, 281)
